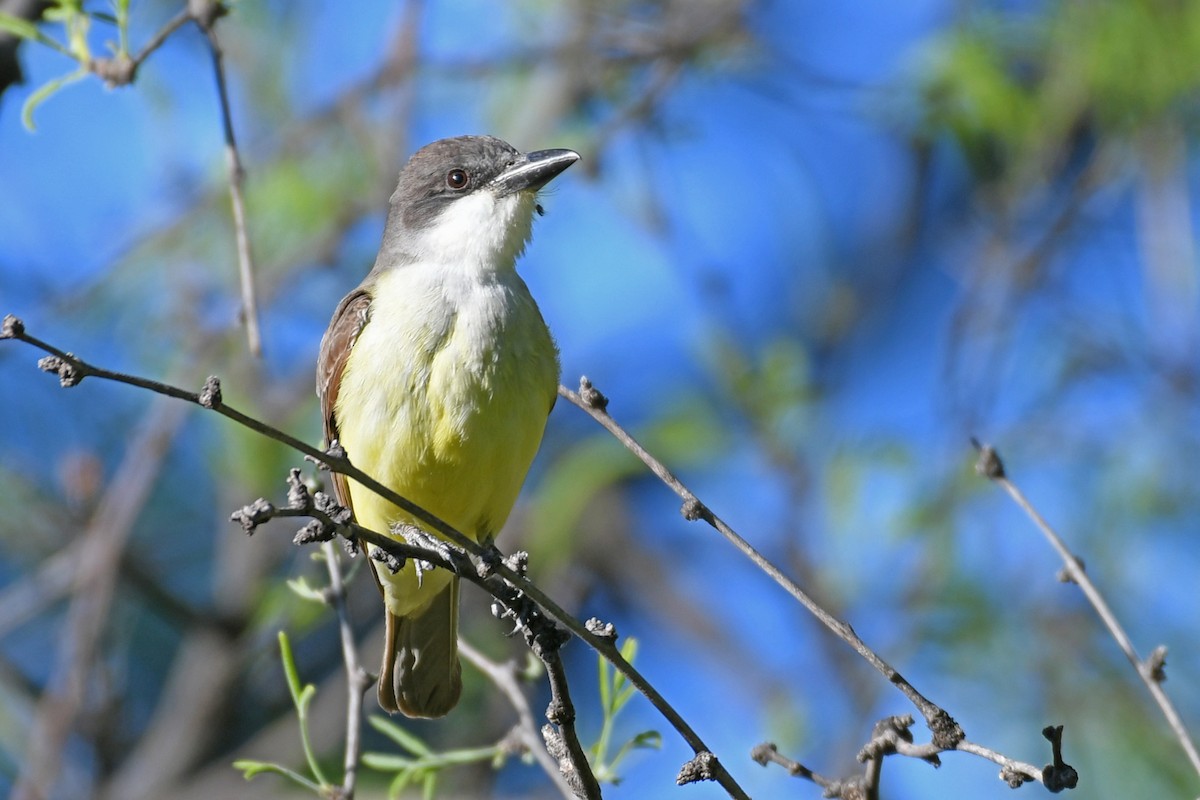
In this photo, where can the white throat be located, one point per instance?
(479, 233)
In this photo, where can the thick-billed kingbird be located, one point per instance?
(436, 375)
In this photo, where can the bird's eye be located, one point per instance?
(457, 179)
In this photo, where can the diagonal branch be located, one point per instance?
(891, 737)
(71, 370)
(946, 732)
(562, 739)
(158, 39)
(1149, 670)
(504, 676)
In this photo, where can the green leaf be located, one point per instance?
(25, 29)
(400, 736)
(650, 740)
(302, 696)
(251, 769)
(43, 92)
(624, 694)
(388, 762)
(18, 26)
(615, 692)
(306, 695)
(289, 668)
(646, 740)
(302, 589)
(399, 784)
(76, 23)
(621, 686)
(121, 11)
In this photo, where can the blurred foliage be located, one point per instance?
(74, 24)
(302, 697)
(423, 766)
(1019, 91)
(615, 694)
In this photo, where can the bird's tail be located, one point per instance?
(421, 675)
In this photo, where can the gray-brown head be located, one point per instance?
(467, 200)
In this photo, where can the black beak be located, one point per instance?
(533, 171)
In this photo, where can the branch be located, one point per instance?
(504, 676)
(357, 679)
(891, 736)
(71, 370)
(158, 39)
(121, 70)
(544, 638)
(209, 11)
(946, 732)
(562, 740)
(1151, 670)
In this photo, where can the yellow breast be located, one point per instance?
(444, 398)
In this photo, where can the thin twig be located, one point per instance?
(561, 737)
(237, 200)
(158, 39)
(122, 70)
(510, 583)
(1150, 671)
(1008, 765)
(71, 370)
(946, 732)
(504, 677)
(357, 679)
(891, 736)
(856, 788)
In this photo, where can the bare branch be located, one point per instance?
(357, 679)
(69, 366)
(237, 177)
(544, 638)
(562, 740)
(1150, 671)
(121, 70)
(891, 736)
(946, 732)
(158, 39)
(853, 789)
(504, 676)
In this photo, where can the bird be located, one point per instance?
(437, 375)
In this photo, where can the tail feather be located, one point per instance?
(421, 675)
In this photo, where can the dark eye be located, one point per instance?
(457, 179)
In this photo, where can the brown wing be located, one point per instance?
(348, 321)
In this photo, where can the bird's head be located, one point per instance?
(468, 202)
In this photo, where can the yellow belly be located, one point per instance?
(445, 402)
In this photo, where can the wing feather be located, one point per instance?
(348, 321)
